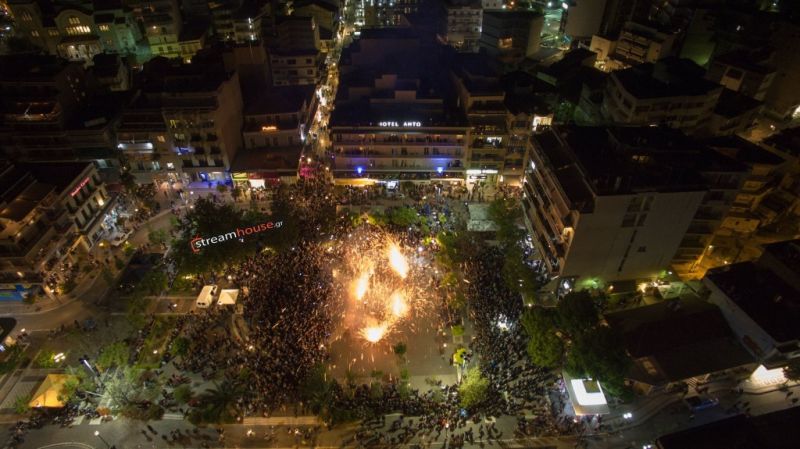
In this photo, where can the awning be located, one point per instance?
(49, 392)
(228, 297)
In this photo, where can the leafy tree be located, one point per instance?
(506, 212)
(22, 404)
(400, 349)
(599, 353)
(209, 219)
(545, 348)
(219, 404)
(222, 188)
(157, 237)
(316, 390)
(182, 393)
(577, 313)
(457, 330)
(153, 283)
(474, 388)
(180, 346)
(792, 370)
(402, 216)
(115, 354)
(45, 359)
(517, 275)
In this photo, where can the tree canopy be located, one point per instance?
(474, 388)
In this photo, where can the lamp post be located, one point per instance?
(97, 434)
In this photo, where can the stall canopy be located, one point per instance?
(49, 392)
(228, 297)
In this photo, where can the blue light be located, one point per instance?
(439, 170)
(359, 170)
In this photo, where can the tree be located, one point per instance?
(115, 354)
(402, 216)
(517, 275)
(599, 354)
(474, 388)
(22, 404)
(45, 359)
(157, 237)
(545, 348)
(182, 394)
(219, 404)
(236, 193)
(180, 346)
(222, 188)
(506, 212)
(577, 313)
(316, 390)
(153, 283)
(400, 349)
(792, 370)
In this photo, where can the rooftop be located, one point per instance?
(670, 77)
(680, 338)
(787, 141)
(743, 150)
(733, 104)
(776, 430)
(27, 67)
(283, 159)
(280, 100)
(766, 298)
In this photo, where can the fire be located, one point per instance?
(398, 261)
(398, 305)
(361, 286)
(374, 334)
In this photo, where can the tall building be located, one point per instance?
(636, 43)
(386, 13)
(394, 118)
(672, 92)
(77, 32)
(511, 36)
(201, 105)
(613, 203)
(50, 213)
(482, 99)
(582, 19)
(162, 24)
(462, 24)
(53, 111)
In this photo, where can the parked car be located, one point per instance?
(696, 403)
(119, 239)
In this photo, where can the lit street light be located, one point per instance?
(97, 434)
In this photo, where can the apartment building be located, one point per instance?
(201, 106)
(77, 32)
(511, 36)
(462, 24)
(671, 92)
(615, 203)
(386, 13)
(637, 43)
(749, 73)
(162, 24)
(52, 111)
(275, 126)
(48, 212)
(482, 98)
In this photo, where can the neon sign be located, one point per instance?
(399, 124)
(80, 186)
(198, 242)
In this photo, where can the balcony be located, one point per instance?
(399, 155)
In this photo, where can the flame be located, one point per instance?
(398, 261)
(398, 305)
(361, 286)
(374, 334)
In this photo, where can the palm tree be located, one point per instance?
(220, 403)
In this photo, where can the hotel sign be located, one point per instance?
(400, 124)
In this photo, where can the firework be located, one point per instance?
(374, 334)
(398, 305)
(398, 261)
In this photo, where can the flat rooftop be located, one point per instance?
(670, 77)
(776, 430)
(766, 298)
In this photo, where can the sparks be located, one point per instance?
(398, 305)
(398, 261)
(374, 334)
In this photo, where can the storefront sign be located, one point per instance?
(80, 186)
(399, 124)
(198, 242)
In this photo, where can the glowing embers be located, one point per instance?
(398, 261)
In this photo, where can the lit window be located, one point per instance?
(78, 30)
(161, 139)
(74, 20)
(506, 42)
(35, 33)
(26, 16)
(52, 33)
(103, 27)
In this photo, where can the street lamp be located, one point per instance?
(97, 434)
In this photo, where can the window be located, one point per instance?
(170, 166)
(103, 27)
(507, 42)
(74, 20)
(35, 33)
(78, 30)
(52, 33)
(641, 249)
(291, 61)
(629, 220)
(26, 16)
(161, 138)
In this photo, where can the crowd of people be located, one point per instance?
(291, 309)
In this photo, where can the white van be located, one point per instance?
(206, 297)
